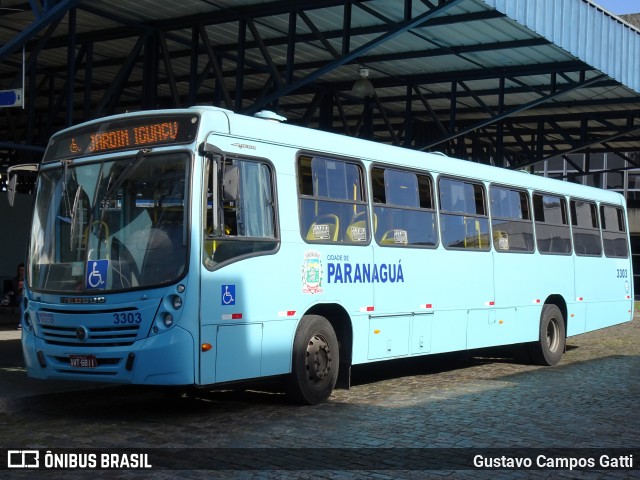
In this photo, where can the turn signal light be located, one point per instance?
(206, 347)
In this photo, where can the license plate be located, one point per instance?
(83, 361)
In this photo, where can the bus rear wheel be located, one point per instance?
(315, 360)
(549, 348)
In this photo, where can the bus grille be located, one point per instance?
(116, 336)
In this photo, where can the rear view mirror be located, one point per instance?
(11, 188)
(230, 184)
(13, 179)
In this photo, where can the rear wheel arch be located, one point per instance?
(341, 323)
(321, 353)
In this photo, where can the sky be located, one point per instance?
(620, 7)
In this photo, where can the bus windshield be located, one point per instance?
(109, 226)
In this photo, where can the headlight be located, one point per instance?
(176, 301)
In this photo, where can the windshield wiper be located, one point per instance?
(111, 189)
(65, 197)
(74, 216)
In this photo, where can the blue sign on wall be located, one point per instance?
(10, 98)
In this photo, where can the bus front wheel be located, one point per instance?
(314, 369)
(549, 348)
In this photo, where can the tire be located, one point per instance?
(314, 368)
(552, 337)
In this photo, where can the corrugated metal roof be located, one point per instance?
(475, 67)
(585, 30)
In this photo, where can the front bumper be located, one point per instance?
(165, 359)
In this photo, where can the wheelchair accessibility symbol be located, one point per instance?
(228, 294)
(97, 274)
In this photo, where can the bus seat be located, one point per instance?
(395, 236)
(474, 238)
(210, 243)
(357, 232)
(500, 240)
(325, 227)
(209, 247)
(387, 238)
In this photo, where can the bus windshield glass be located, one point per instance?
(110, 226)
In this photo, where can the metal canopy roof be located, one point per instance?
(508, 82)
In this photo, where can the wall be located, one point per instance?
(634, 220)
(14, 232)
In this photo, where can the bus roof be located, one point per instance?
(273, 132)
(318, 141)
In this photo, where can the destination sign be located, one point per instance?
(123, 134)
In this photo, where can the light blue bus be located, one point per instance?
(199, 247)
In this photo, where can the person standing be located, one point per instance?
(17, 286)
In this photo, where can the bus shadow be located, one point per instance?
(439, 363)
(114, 402)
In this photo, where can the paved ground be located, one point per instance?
(486, 404)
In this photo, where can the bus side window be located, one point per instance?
(404, 213)
(586, 230)
(246, 212)
(511, 220)
(552, 225)
(332, 201)
(463, 215)
(614, 234)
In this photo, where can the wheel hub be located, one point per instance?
(318, 358)
(552, 335)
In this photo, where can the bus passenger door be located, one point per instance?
(240, 315)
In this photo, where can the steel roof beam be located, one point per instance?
(343, 116)
(572, 163)
(65, 94)
(516, 126)
(390, 127)
(317, 64)
(319, 35)
(275, 74)
(50, 16)
(217, 69)
(396, 30)
(515, 110)
(434, 116)
(633, 163)
(173, 86)
(133, 28)
(585, 144)
(118, 84)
